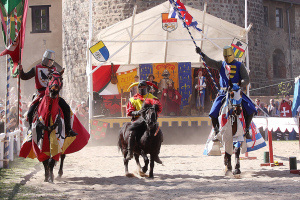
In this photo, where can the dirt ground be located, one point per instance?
(97, 172)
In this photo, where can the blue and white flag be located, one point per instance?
(100, 52)
(187, 18)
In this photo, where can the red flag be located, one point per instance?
(17, 10)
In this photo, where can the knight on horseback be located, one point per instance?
(134, 109)
(235, 71)
(41, 72)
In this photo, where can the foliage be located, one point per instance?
(284, 88)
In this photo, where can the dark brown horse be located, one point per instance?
(147, 141)
(234, 104)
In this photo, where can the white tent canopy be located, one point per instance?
(151, 44)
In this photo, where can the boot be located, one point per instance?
(248, 119)
(247, 134)
(215, 124)
(71, 133)
(129, 148)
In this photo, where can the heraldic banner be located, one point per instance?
(98, 129)
(145, 70)
(185, 82)
(125, 79)
(171, 67)
(113, 104)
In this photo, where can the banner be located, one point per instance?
(125, 79)
(113, 104)
(13, 20)
(185, 82)
(145, 70)
(98, 129)
(171, 67)
(102, 77)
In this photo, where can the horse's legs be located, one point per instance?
(227, 162)
(237, 152)
(146, 161)
(151, 166)
(62, 158)
(125, 162)
(136, 157)
(46, 167)
(51, 166)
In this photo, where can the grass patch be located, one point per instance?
(12, 180)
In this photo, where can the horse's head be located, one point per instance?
(235, 96)
(55, 84)
(150, 114)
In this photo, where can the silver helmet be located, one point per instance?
(48, 58)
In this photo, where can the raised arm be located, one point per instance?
(210, 62)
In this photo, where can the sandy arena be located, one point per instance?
(97, 172)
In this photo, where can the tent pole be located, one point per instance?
(90, 76)
(131, 33)
(166, 47)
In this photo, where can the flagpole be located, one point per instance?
(247, 51)
(90, 76)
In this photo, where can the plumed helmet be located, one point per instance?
(48, 58)
(142, 83)
(143, 90)
(228, 54)
(166, 73)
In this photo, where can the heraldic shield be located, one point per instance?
(239, 47)
(168, 24)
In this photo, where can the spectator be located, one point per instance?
(257, 106)
(73, 105)
(285, 107)
(272, 108)
(151, 89)
(277, 108)
(264, 109)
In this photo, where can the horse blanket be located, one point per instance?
(42, 144)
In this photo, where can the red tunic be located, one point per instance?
(285, 109)
(169, 102)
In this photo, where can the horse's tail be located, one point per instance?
(120, 141)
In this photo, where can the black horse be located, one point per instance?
(147, 141)
(234, 104)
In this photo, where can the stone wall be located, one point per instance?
(106, 13)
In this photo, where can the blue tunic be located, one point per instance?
(234, 76)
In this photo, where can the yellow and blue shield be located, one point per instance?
(239, 47)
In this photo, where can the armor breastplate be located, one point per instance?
(163, 84)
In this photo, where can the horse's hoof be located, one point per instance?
(151, 176)
(129, 175)
(60, 174)
(145, 169)
(237, 171)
